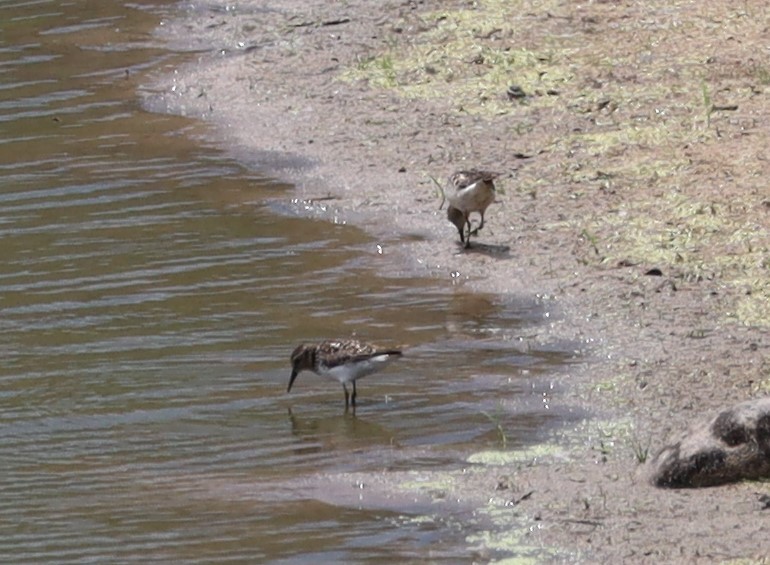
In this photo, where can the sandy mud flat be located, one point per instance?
(632, 140)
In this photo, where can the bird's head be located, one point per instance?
(302, 358)
(456, 217)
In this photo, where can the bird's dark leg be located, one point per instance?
(461, 229)
(468, 237)
(353, 397)
(347, 396)
(481, 225)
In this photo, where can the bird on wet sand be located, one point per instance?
(344, 360)
(469, 191)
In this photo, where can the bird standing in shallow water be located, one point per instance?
(343, 360)
(469, 191)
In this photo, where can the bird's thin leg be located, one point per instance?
(468, 237)
(481, 225)
(461, 229)
(347, 396)
(353, 398)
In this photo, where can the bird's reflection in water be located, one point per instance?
(344, 432)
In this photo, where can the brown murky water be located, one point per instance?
(148, 304)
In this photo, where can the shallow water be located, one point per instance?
(148, 304)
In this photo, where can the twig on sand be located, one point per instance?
(440, 190)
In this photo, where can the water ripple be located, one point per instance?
(147, 312)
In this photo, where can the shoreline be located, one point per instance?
(358, 124)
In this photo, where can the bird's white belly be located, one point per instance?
(472, 198)
(352, 371)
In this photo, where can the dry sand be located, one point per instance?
(641, 144)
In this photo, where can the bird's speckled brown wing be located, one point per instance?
(339, 352)
(462, 179)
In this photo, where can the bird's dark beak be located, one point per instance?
(294, 374)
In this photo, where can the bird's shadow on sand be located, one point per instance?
(494, 251)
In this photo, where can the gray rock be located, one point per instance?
(733, 446)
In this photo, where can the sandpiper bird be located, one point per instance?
(345, 360)
(469, 191)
